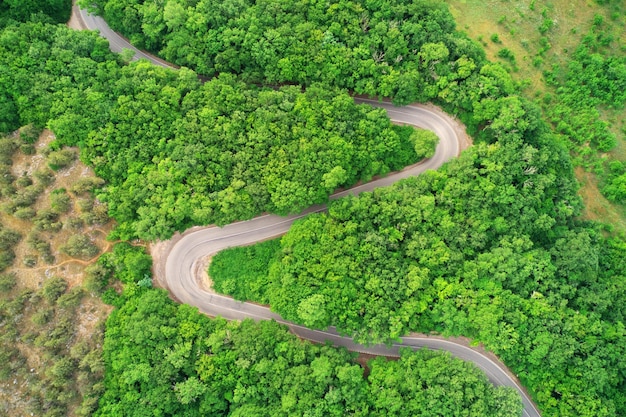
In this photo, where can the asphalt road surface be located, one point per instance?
(182, 267)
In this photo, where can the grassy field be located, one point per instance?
(530, 37)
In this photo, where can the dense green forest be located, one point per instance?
(405, 51)
(167, 359)
(177, 153)
(78, 68)
(53, 11)
(506, 210)
(392, 48)
(488, 247)
(518, 274)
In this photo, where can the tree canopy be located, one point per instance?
(53, 11)
(167, 359)
(488, 247)
(177, 153)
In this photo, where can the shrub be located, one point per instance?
(60, 159)
(98, 215)
(80, 246)
(53, 288)
(42, 316)
(6, 259)
(6, 177)
(85, 204)
(96, 278)
(7, 190)
(7, 147)
(27, 196)
(75, 223)
(27, 149)
(7, 282)
(546, 25)
(506, 53)
(24, 181)
(47, 220)
(30, 261)
(44, 176)
(25, 213)
(71, 299)
(86, 184)
(9, 238)
(29, 133)
(60, 201)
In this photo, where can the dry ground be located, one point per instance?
(90, 313)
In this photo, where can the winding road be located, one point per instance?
(181, 267)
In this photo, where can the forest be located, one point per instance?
(388, 49)
(392, 49)
(211, 153)
(53, 11)
(520, 275)
(491, 246)
(221, 368)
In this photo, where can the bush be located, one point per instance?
(546, 25)
(86, 184)
(47, 220)
(6, 177)
(44, 176)
(71, 299)
(6, 259)
(48, 258)
(60, 159)
(24, 181)
(53, 288)
(29, 133)
(75, 223)
(7, 147)
(61, 372)
(9, 238)
(27, 149)
(60, 201)
(25, 213)
(80, 246)
(96, 278)
(27, 196)
(8, 362)
(615, 190)
(85, 204)
(42, 316)
(7, 190)
(506, 53)
(98, 215)
(30, 261)
(7, 282)
(36, 242)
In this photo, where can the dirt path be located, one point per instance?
(74, 22)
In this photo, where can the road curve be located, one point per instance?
(182, 272)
